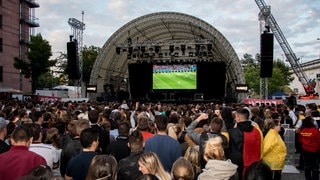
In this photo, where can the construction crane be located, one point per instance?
(269, 21)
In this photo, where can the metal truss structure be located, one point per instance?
(171, 32)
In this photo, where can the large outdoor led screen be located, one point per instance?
(174, 76)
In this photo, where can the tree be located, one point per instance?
(89, 55)
(281, 76)
(38, 63)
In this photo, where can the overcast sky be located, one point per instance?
(237, 20)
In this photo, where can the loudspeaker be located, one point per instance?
(73, 60)
(266, 52)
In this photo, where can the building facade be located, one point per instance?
(17, 20)
(312, 70)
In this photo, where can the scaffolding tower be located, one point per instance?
(77, 28)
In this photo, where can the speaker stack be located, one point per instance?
(266, 52)
(73, 60)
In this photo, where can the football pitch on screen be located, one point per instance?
(175, 80)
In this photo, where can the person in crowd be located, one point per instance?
(258, 170)
(167, 148)
(227, 117)
(214, 130)
(292, 115)
(182, 169)
(245, 142)
(37, 118)
(4, 147)
(309, 137)
(119, 148)
(256, 118)
(103, 167)
(143, 126)
(104, 137)
(134, 114)
(107, 127)
(53, 139)
(46, 151)
(216, 167)
(78, 166)
(128, 167)
(149, 163)
(147, 177)
(192, 155)
(19, 161)
(73, 146)
(274, 150)
(42, 172)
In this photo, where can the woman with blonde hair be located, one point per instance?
(103, 167)
(216, 167)
(149, 163)
(192, 155)
(274, 150)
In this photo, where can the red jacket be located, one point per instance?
(310, 139)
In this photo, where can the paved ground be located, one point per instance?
(290, 172)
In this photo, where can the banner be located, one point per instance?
(263, 101)
(48, 98)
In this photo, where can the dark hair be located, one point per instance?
(87, 137)
(93, 116)
(136, 141)
(244, 112)
(124, 128)
(21, 133)
(258, 171)
(161, 122)
(103, 167)
(147, 177)
(42, 172)
(216, 124)
(36, 130)
(307, 122)
(36, 115)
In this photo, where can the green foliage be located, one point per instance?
(47, 80)
(37, 62)
(89, 55)
(281, 77)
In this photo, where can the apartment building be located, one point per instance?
(17, 20)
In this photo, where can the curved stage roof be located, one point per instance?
(166, 27)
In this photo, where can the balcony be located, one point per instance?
(30, 20)
(32, 3)
(24, 39)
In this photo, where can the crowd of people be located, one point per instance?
(134, 140)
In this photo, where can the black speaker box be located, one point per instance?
(266, 52)
(73, 60)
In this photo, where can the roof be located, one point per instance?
(165, 28)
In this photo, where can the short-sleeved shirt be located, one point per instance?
(78, 166)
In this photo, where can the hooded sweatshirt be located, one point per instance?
(218, 169)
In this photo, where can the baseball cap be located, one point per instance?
(3, 123)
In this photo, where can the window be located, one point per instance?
(295, 90)
(1, 74)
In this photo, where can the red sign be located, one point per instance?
(48, 98)
(263, 101)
